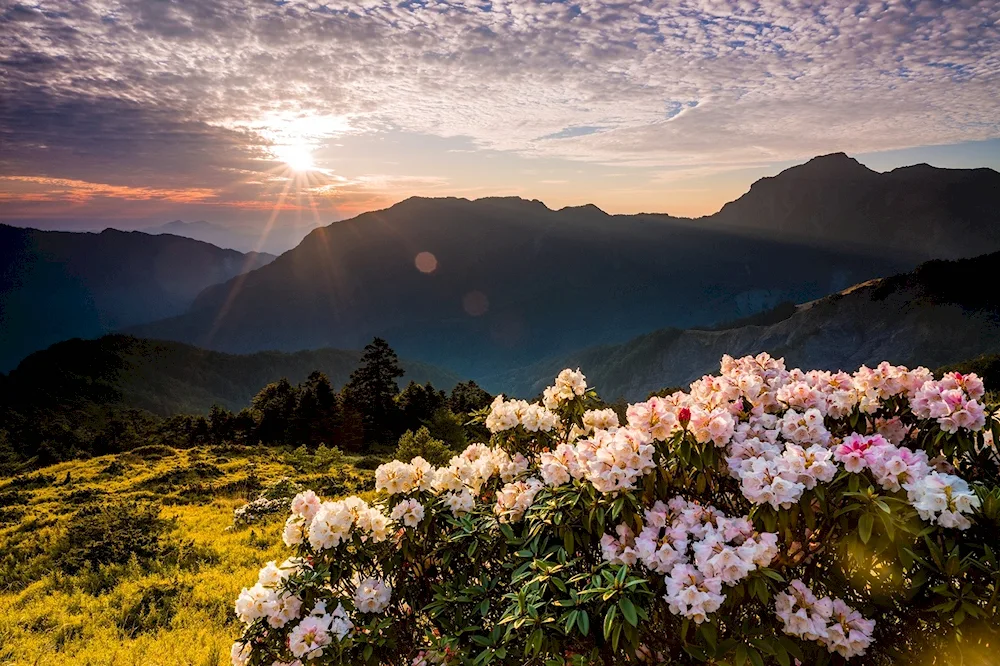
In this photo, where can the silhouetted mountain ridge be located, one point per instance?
(56, 285)
(835, 201)
(513, 281)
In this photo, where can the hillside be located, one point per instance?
(275, 240)
(167, 378)
(836, 201)
(938, 314)
(56, 285)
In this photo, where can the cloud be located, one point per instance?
(191, 93)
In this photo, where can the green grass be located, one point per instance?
(175, 607)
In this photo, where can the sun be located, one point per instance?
(297, 156)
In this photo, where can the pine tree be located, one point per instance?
(468, 397)
(275, 408)
(418, 403)
(317, 413)
(373, 390)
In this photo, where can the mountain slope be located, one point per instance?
(276, 240)
(56, 285)
(508, 281)
(836, 201)
(512, 281)
(168, 378)
(933, 316)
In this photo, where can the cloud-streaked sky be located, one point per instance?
(143, 111)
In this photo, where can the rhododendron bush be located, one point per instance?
(767, 515)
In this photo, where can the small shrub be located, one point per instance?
(174, 478)
(421, 444)
(283, 488)
(275, 499)
(112, 533)
(304, 460)
(153, 452)
(369, 462)
(342, 481)
(11, 515)
(114, 468)
(152, 608)
(32, 482)
(84, 496)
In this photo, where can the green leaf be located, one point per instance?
(583, 623)
(609, 621)
(865, 527)
(628, 611)
(755, 657)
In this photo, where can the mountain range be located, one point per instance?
(836, 201)
(937, 315)
(488, 286)
(481, 286)
(276, 240)
(56, 285)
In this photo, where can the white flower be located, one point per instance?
(410, 512)
(372, 596)
(515, 498)
(310, 636)
(295, 530)
(394, 477)
(460, 503)
(240, 654)
(255, 602)
(944, 499)
(305, 504)
(600, 419)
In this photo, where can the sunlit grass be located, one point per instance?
(164, 615)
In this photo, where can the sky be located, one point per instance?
(294, 113)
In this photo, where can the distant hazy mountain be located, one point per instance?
(277, 240)
(506, 281)
(168, 378)
(56, 285)
(836, 201)
(933, 316)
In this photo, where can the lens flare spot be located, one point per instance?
(475, 303)
(426, 262)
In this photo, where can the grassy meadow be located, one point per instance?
(134, 559)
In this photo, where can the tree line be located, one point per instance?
(61, 418)
(369, 410)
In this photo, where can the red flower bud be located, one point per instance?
(684, 416)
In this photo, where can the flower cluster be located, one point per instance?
(943, 499)
(409, 512)
(516, 498)
(372, 596)
(325, 525)
(569, 384)
(953, 401)
(829, 622)
(697, 547)
(258, 509)
(318, 630)
(507, 415)
(266, 599)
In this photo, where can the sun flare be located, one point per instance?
(298, 157)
